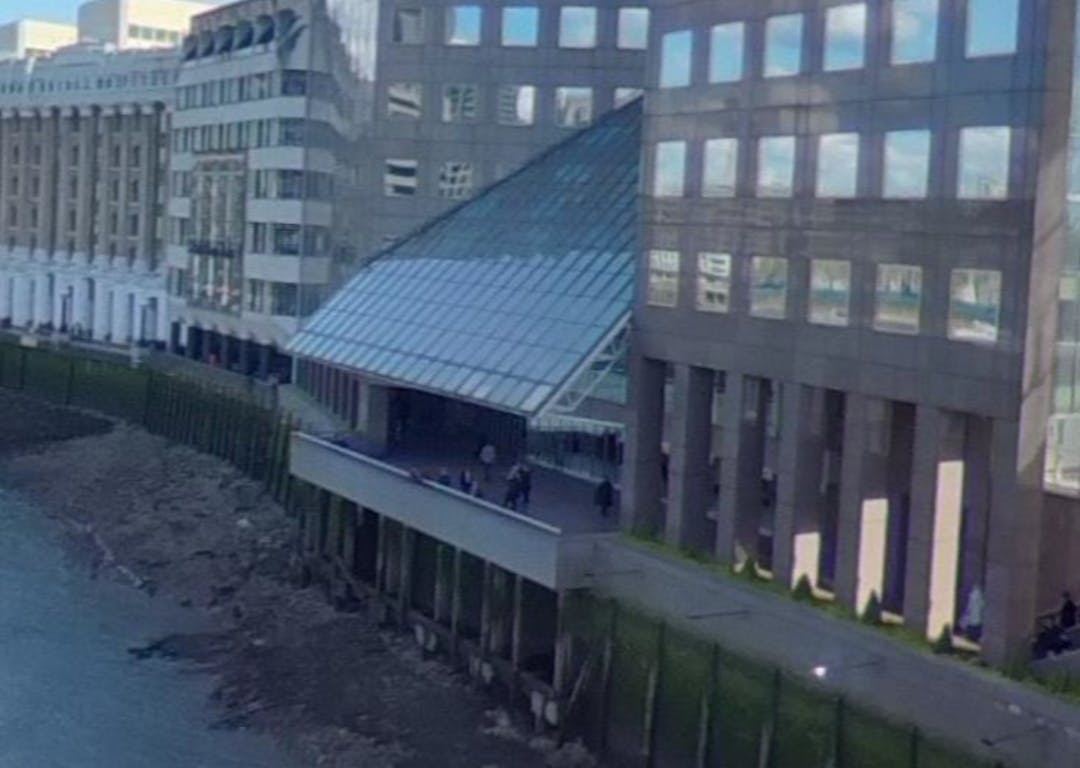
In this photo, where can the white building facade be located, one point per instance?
(83, 153)
(138, 24)
(27, 38)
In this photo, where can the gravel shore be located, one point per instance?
(334, 689)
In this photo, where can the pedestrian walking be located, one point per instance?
(488, 456)
(971, 622)
(524, 484)
(604, 497)
(513, 488)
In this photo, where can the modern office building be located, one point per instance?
(271, 97)
(138, 23)
(468, 91)
(83, 148)
(33, 38)
(857, 218)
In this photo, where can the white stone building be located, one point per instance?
(83, 152)
(130, 24)
(27, 38)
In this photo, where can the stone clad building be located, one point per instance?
(853, 253)
(83, 148)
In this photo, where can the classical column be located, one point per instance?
(863, 520)
(5, 295)
(642, 482)
(937, 494)
(121, 319)
(42, 298)
(797, 523)
(689, 470)
(21, 300)
(80, 304)
(103, 299)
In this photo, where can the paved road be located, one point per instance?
(960, 702)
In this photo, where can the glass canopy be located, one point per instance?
(508, 298)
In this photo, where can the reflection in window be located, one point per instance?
(675, 56)
(624, 96)
(984, 163)
(776, 166)
(400, 177)
(517, 105)
(914, 31)
(577, 27)
(463, 24)
(456, 180)
(714, 282)
(897, 298)
(404, 100)
(783, 45)
(720, 168)
(633, 32)
(670, 172)
(974, 304)
(573, 107)
(520, 25)
(409, 26)
(768, 287)
(663, 283)
(838, 165)
(907, 164)
(992, 27)
(726, 52)
(460, 103)
(830, 292)
(845, 37)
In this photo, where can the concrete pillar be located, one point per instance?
(1012, 558)
(863, 521)
(933, 547)
(485, 610)
(376, 415)
(405, 571)
(349, 513)
(42, 299)
(59, 292)
(21, 301)
(194, 339)
(80, 304)
(455, 605)
(976, 504)
(797, 524)
(264, 361)
(730, 450)
(741, 462)
(517, 629)
(642, 486)
(443, 583)
(689, 470)
(103, 299)
(5, 296)
(121, 315)
(380, 557)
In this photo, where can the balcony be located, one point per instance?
(550, 543)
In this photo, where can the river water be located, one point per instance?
(71, 696)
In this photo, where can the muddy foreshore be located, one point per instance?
(333, 689)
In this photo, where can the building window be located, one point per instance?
(400, 179)
(776, 166)
(974, 305)
(520, 26)
(992, 27)
(845, 37)
(573, 106)
(830, 292)
(463, 24)
(720, 170)
(409, 26)
(287, 239)
(624, 96)
(577, 26)
(714, 282)
(404, 100)
(914, 31)
(897, 298)
(456, 180)
(984, 163)
(669, 175)
(676, 53)
(663, 285)
(783, 45)
(516, 105)
(907, 164)
(838, 165)
(460, 103)
(633, 29)
(726, 52)
(768, 287)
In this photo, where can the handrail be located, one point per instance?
(406, 475)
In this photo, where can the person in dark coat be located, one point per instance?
(513, 488)
(1067, 614)
(604, 497)
(524, 475)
